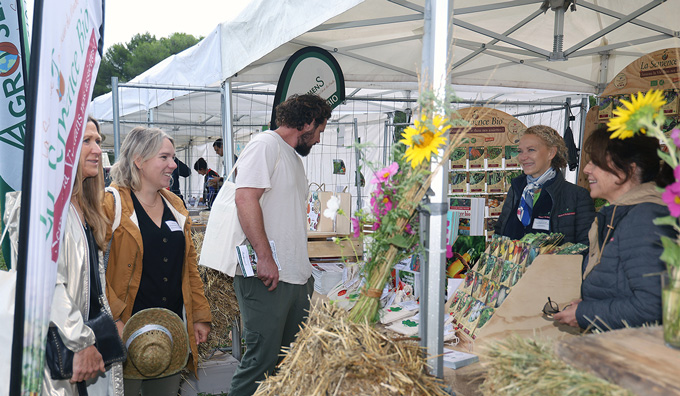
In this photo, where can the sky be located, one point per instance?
(125, 18)
(161, 18)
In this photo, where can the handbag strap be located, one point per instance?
(278, 158)
(93, 258)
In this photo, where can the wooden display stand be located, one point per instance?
(554, 276)
(321, 245)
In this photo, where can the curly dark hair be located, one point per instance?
(299, 110)
(618, 156)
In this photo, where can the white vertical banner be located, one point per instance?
(12, 103)
(69, 59)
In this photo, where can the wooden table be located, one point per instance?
(635, 359)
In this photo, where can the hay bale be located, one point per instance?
(219, 290)
(524, 366)
(333, 356)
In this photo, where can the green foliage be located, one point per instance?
(3, 265)
(143, 51)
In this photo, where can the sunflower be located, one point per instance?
(636, 115)
(423, 139)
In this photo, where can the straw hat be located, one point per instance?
(157, 344)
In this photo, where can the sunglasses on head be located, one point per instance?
(550, 308)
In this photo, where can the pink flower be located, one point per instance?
(376, 225)
(449, 251)
(409, 229)
(356, 227)
(675, 135)
(672, 196)
(385, 174)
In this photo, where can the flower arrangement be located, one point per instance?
(399, 189)
(643, 114)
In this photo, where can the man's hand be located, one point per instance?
(87, 364)
(268, 272)
(201, 331)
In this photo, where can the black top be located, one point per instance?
(181, 170)
(93, 264)
(161, 283)
(562, 207)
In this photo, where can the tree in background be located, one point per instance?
(127, 61)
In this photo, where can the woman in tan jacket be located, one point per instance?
(152, 263)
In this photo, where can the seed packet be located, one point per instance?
(503, 292)
(476, 156)
(497, 270)
(495, 204)
(494, 156)
(464, 308)
(459, 158)
(481, 263)
(454, 302)
(606, 108)
(477, 182)
(511, 156)
(484, 316)
(483, 289)
(458, 182)
(506, 272)
(517, 272)
(494, 181)
(492, 294)
(490, 264)
(470, 321)
(469, 282)
(479, 279)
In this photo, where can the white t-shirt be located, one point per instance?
(283, 202)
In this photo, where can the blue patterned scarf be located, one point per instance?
(526, 204)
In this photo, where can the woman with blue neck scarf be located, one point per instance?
(541, 201)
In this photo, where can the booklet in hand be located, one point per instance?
(247, 259)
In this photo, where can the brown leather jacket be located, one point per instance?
(124, 272)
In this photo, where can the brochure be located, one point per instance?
(247, 259)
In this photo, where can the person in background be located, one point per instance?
(218, 147)
(181, 170)
(271, 191)
(541, 201)
(620, 287)
(209, 186)
(152, 262)
(83, 241)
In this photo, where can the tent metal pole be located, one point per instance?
(227, 127)
(116, 118)
(357, 157)
(436, 43)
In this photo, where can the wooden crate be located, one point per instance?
(321, 245)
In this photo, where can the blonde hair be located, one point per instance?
(89, 193)
(551, 139)
(141, 143)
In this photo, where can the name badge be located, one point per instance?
(541, 224)
(173, 226)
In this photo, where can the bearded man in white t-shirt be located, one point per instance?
(271, 192)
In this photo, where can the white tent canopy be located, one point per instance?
(502, 50)
(378, 43)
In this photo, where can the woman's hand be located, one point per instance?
(201, 330)
(87, 364)
(568, 314)
(120, 325)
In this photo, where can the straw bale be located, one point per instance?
(334, 356)
(219, 290)
(524, 366)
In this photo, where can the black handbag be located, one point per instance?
(59, 358)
